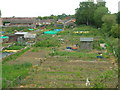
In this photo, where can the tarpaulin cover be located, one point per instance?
(68, 47)
(30, 29)
(51, 32)
(4, 37)
(57, 29)
(2, 32)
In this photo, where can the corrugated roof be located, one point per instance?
(22, 33)
(29, 35)
(86, 39)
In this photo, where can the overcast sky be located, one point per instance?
(34, 8)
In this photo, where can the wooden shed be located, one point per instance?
(86, 43)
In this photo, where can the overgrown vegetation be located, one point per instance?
(10, 73)
(47, 41)
(105, 77)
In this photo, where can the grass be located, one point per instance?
(11, 72)
(56, 71)
(47, 41)
(14, 56)
(15, 47)
(75, 54)
(105, 77)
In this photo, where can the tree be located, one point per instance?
(84, 14)
(62, 16)
(109, 20)
(39, 17)
(98, 14)
(115, 31)
(118, 17)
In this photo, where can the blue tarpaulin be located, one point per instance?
(2, 32)
(57, 29)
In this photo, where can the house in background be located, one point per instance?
(45, 22)
(19, 21)
(66, 22)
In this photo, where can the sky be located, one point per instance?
(35, 8)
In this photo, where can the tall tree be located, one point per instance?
(98, 14)
(85, 12)
(109, 20)
(115, 31)
(118, 17)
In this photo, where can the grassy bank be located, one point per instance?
(12, 74)
(14, 56)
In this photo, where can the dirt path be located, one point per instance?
(29, 56)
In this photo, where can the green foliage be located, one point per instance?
(98, 14)
(11, 72)
(14, 56)
(47, 41)
(115, 31)
(15, 47)
(118, 18)
(103, 78)
(85, 13)
(74, 54)
(62, 16)
(109, 21)
(12, 29)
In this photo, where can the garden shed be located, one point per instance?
(30, 38)
(86, 43)
(20, 37)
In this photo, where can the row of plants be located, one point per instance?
(75, 54)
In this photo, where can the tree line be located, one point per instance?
(55, 17)
(98, 15)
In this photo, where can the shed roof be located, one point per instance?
(86, 39)
(21, 33)
(29, 35)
